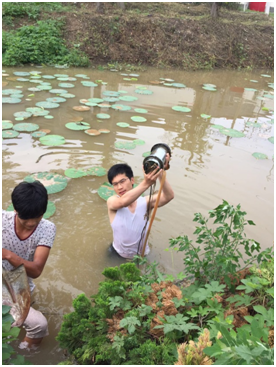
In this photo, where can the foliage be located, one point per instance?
(9, 355)
(222, 246)
(30, 9)
(246, 346)
(192, 353)
(39, 44)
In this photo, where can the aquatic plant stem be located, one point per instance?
(154, 212)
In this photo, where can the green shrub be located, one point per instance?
(39, 44)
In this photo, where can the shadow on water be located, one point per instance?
(206, 167)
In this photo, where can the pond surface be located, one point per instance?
(207, 166)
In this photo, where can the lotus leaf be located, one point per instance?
(266, 76)
(219, 127)
(139, 142)
(110, 93)
(61, 75)
(259, 155)
(140, 110)
(254, 81)
(146, 154)
(111, 99)
(106, 190)
(254, 124)
(250, 89)
(96, 171)
(209, 85)
(7, 92)
(26, 126)
(104, 105)
(145, 91)
(67, 95)
(232, 132)
(52, 140)
(48, 117)
(122, 124)
(92, 132)
(48, 76)
(56, 99)
(135, 75)
(271, 139)
(121, 107)
(125, 145)
(81, 108)
(44, 87)
(34, 89)
(66, 85)
(41, 113)
(95, 100)
(81, 76)
(10, 100)
(122, 91)
(75, 173)
(88, 84)
(21, 73)
(138, 119)
(22, 79)
(91, 104)
(178, 85)
(181, 109)
(77, 125)
(205, 116)
(6, 124)
(211, 89)
(38, 134)
(24, 114)
(103, 116)
(53, 182)
(104, 131)
(9, 134)
(46, 104)
(128, 98)
(58, 91)
(19, 119)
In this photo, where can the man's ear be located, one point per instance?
(132, 180)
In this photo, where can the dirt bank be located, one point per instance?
(170, 35)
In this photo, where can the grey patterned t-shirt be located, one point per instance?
(43, 235)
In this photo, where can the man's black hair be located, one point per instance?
(119, 169)
(30, 199)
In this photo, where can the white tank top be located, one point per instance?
(127, 230)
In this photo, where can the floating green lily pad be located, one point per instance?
(143, 91)
(74, 173)
(121, 107)
(10, 100)
(122, 124)
(111, 99)
(9, 134)
(26, 126)
(81, 125)
(52, 140)
(38, 134)
(106, 190)
(66, 85)
(128, 98)
(95, 100)
(103, 116)
(140, 110)
(209, 85)
(211, 89)
(46, 104)
(21, 73)
(56, 99)
(48, 76)
(266, 76)
(181, 109)
(205, 116)
(138, 119)
(139, 142)
(48, 117)
(58, 91)
(24, 114)
(67, 95)
(88, 84)
(125, 145)
(250, 89)
(6, 124)
(253, 124)
(110, 93)
(44, 87)
(232, 132)
(259, 155)
(53, 182)
(96, 171)
(271, 139)
(178, 85)
(218, 127)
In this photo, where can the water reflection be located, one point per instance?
(206, 167)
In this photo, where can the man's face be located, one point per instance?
(29, 224)
(122, 184)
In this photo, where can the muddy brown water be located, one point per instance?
(206, 167)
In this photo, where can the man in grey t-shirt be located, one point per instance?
(27, 239)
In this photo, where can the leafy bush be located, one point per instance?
(39, 44)
(31, 9)
(9, 356)
(218, 256)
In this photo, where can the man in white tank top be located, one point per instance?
(127, 210)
